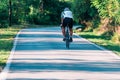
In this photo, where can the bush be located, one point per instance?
(3, 18)
(116, 38)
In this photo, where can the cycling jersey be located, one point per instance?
(67, 14)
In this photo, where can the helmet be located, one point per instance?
(66, 9)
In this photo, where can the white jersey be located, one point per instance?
(67, 14)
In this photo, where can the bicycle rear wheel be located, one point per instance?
(67, 44)
(67, 39)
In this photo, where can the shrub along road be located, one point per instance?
(40, 54)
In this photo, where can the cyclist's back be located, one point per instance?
(67, 19)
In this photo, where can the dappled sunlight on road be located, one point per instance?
(42, 55)
(66, 64)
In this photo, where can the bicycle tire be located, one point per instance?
(67, 44)
(67, 39)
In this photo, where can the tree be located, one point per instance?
(10, 13)
(3, 13)
(83, 11)
(108, 9)
(31, 11)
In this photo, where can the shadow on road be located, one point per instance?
(45, 52)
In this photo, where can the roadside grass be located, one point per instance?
(7, 36)
(104, 41)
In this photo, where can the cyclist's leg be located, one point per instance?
(71, 32)
(71, 29)
(71, 26)
(63, 31)
(63, 28)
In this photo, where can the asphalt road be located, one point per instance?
(40, 54)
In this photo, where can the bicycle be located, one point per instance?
(67, 37)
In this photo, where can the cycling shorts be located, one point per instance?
(68, 21)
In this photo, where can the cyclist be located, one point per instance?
(67, 18)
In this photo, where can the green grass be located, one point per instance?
(6, 43)
(7, 36)
(101, 40)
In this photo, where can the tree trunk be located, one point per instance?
(41, 6)
(10, 13)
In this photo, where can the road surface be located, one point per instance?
(40, 54)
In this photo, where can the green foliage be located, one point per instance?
(3, 13)
(51, 11)
(116, 38)
(6, 43)
(96, 22)
(108, 9)
(3, 4)
(102, 40)
(83, 11)
(28, 11)
(20, 10)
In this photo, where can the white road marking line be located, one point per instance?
(3, 74)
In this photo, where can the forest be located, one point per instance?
(98, 20)
(100, 16)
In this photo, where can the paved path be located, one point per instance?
(40, 54)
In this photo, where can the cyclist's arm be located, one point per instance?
(62, 17)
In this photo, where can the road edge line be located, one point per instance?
(3, 74)
(100, 47)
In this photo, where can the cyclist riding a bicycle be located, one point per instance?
(67, 19)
